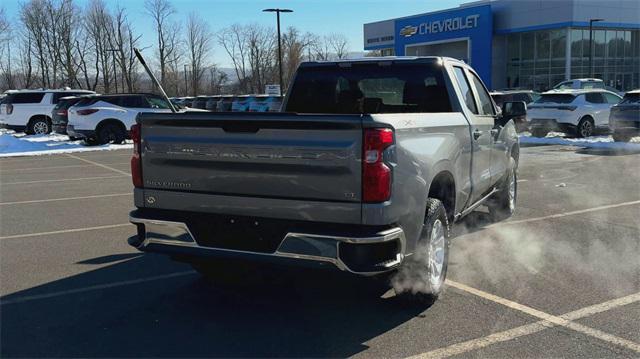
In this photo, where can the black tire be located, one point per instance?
(621, 137)
(503, 203)
(419, 279)
(585, 128)
(536, 132)
(39, 126)
(111, 133)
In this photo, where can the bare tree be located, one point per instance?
(295, 45)
(198, 48)
(97, 25)
(261, 45)
(123, 41)
(167, 33)
(5, 53)
(233, 40)
(339, 45)
(217, 81)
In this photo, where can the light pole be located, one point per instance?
(115, 74)
(591, 21)
(278, 11)
(186, 83)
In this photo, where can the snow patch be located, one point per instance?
(597, 142)
(14, 144)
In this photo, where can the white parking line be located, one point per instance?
(548, 321)
(64, 180)
(95, 287)
(41, 168)
(565, 214)
(73, 230)
(99, 165)
(65, 199)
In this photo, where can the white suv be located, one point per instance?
(108, 118)
(30, 110)
(579, 112)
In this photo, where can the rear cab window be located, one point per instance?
(369, 88)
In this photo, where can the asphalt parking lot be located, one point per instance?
(559, 279)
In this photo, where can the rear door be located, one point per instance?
(599, 107)
(481, 126)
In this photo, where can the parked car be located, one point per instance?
(212, 103)
(107, 118)
(575, 112)
(266, 104)
(526, 96)
(624, 120)
(30, 110)
(59, 114)
(588, 83)
(577, 84)
(242, 103)
(388, 154)
(200, 102)
(225, 103)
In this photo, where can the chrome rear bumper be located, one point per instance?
(168, 236)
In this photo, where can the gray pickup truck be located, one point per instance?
(365, 170)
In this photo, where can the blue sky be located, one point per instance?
(317, 16)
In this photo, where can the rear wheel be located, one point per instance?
(585, 127)
(421, 277)
(621, 137)
(111, 133)
(539, 133)
(503, 204)
(39, 126)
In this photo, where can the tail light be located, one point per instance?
(9, 109)
(86, 112)
(568, 108)
(61, 112)
(136, 159)
(376, 175)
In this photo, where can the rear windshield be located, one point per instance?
(25, 97)
(631, 98)
(369, 88)
(556, 98)
(66, 103)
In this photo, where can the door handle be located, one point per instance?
(477, 133)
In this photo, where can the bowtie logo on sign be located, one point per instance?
(437, 26)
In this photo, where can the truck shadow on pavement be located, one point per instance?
(308, 313)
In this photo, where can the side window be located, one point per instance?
(612, 99)
(27, 97)
(594, 97)
(156, 102)
(485, 100)
(469, 99)
(522, 97)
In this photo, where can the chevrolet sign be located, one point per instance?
(437, 26)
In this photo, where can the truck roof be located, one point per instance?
(417, 59)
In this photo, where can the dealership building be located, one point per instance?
(526, 43)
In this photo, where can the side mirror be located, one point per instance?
(514, 109)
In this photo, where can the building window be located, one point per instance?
(616, 56)
(536, 60)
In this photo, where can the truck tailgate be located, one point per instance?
(279, 155)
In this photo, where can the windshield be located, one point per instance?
(556, 98)
(369, 88)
